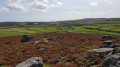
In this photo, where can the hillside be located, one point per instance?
(109, 26)
(70, 48)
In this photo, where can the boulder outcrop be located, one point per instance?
(32, 62)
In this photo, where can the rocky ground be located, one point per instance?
(70, 48)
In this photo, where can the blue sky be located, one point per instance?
(55, 10)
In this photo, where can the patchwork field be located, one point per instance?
(111, 29)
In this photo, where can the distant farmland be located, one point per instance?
(94, 26)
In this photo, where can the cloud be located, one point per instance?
(13, 1)
(43, 1)
(93, 3)
(26, 5)
(58, 4)
(107, 1)
(16, 7)
(3, 9)
(40, 4)
(74, 12)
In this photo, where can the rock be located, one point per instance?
(118, 64)
(32, 62)
(46, 41)
(116, 50)
(59, 37)
(114, 45)
(37, 42)
(40, 48)
(107, 43)
(112, 61)
(26, 38)
(108, 37)
(102, 52)
(57, 61)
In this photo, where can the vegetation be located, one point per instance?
(95, 26)
(69, 48)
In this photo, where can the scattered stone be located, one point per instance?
(107, 43)
(102, 52)
(112, 61)
(116, 50)
(114, 45)
(57, 61)
(37, 42)
(108, 37)
(59, 37)
(32, 62)
(40, 48)
(118, 64)
(46, 41)
(26, 38)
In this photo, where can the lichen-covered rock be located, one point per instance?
(32, 62)
(101, 50)
(112, 61)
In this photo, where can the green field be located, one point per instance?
(111, 29)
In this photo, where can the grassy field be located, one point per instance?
(111, 29)
(84, 30)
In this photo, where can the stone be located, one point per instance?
(46, 41)
(107, 43)
(40, 48)
(112, 61)
(59, 37)
(26, 38)
(114, 45)
(116, 50)
(32, 62)
(109, 37)
(37, 42)
(118, 64)
(57, 61)
(101, 50)
(106, 36)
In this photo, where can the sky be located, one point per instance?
(56, 10)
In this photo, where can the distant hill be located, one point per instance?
(89, 21)
(3, 24)
(68, 23)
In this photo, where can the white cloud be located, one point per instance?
(107, 1)
(3, 9)
(16, 7)
(13, 1)
(58, 4)
(40, 4)
(25, 5)
(74, 12)
(43, 1)
(93, 3)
